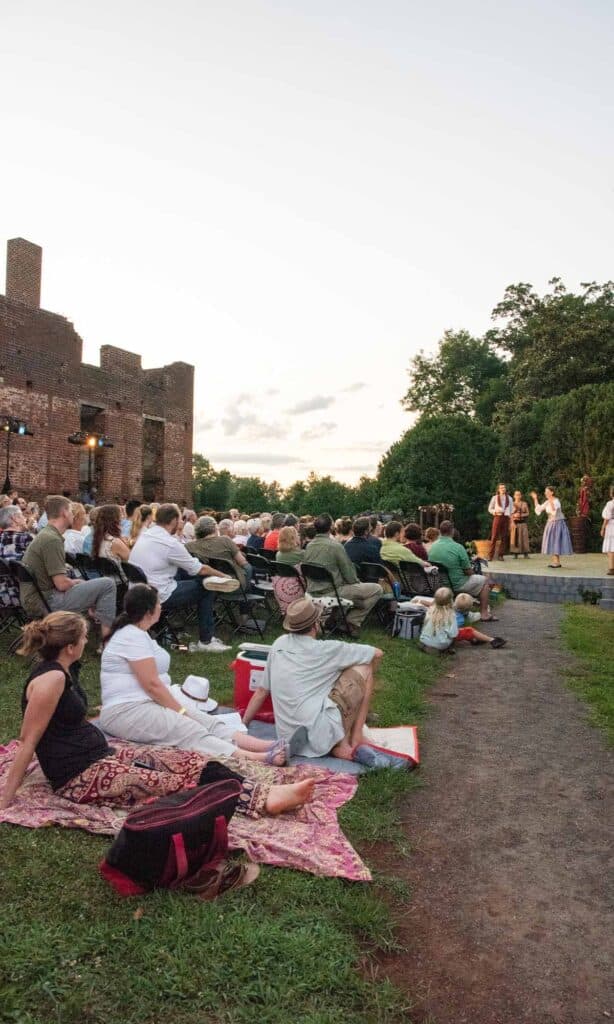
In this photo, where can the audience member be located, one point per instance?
(255, 538)
(14, 540)
(431, 534)
(307, 532)
(344, 529)
(413, 541)
(291, 520)
(240, 536)
(189, 518)
(289, 548)
(445, 551)
(393, 550)
(362, 547)
(463, 603)
(108, 540)
(271, 540)
(45, 560)
(142, 520)
(138, 704)
(325, 551)
(209, 545)
(440, 627)
(160, 555)
(377, 527)
(132, 507)
(320, 689)
(74, 538)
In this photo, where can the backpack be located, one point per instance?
(166, 841)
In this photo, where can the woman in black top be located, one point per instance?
(75, 756)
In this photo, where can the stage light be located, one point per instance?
(91, 441)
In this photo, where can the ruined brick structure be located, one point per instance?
(146, 414)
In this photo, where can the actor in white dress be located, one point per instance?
(607, 532)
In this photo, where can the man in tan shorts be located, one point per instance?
(321, 689)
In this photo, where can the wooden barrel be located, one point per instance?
(578, 528)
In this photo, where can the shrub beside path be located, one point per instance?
(512, 912)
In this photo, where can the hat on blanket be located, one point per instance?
(301, 615)
(194, 694)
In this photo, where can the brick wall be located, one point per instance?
(44, 382)
(23, 271)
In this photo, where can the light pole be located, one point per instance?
(90, 441)
(11, 425)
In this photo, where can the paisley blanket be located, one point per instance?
(308, 839)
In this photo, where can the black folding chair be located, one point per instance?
(164, 631)
(415, 581)
(84, 565)
(320, 574)
(23, 575)
(269, 555)
(240, 600)
(443, 578)
(372, 572)
(112, 569)
(12, 616)
(262, 580)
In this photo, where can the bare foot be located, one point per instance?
(286, 798)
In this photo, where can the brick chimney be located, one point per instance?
(23, 271)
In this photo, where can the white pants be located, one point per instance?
(147, 722)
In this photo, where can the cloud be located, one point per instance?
(201, 424)
(255, 458)
(358, 386)
(315, 433)
(311, 404)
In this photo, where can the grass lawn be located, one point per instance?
(589, 633)
(292, 948)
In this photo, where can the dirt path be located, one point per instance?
(512, 916)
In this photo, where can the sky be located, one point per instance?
(297, 197)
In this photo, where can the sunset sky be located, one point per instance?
(296, 197)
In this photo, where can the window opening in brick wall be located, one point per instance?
(91, 460)
(153, 459)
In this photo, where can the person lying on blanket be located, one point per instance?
(321, 691)
(75, 757)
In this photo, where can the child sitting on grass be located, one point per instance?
(463, 603)
(440, 627)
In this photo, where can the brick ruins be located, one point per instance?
(146, 414)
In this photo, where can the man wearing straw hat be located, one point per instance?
(321, 690)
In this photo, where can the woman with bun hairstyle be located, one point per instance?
(77, 760)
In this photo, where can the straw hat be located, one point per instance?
(194, 694)
(301, 615)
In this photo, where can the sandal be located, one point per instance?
(213, 882)
(278, 748)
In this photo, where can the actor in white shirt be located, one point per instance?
(501, 507)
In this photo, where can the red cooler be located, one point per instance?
(248, 668)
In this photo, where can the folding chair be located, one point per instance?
(372, 572)
(23, 575)
(85, 565)
(415, 581)
(164, 631)
(320, 574)
(229, 603)
(443, 578)
(286, 592)
(262, 580)
(108, 567)
(12, 616)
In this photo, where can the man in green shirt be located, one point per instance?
(45, 559)
(330, 554)
(455, 560)
(392, 550)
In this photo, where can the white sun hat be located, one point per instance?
(194, 694)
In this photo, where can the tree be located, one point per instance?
(558, 341)
(211, 489)
(465, 376)
(250, 494)
(441, 459)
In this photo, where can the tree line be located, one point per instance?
(531, 402)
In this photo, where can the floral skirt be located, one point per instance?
(118, 782)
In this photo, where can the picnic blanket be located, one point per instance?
(308, 839)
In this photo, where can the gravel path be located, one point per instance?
(512, 915)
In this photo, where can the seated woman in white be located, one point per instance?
(138, 705)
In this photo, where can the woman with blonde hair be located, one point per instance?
(289, 552)
(74, 755)
(556, 540)
(142, 520)
(440, 627)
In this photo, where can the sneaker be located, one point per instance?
(498, 641)
(213, 647)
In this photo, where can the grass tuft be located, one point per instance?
(589, 633)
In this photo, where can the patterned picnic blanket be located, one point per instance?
(308, 839)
